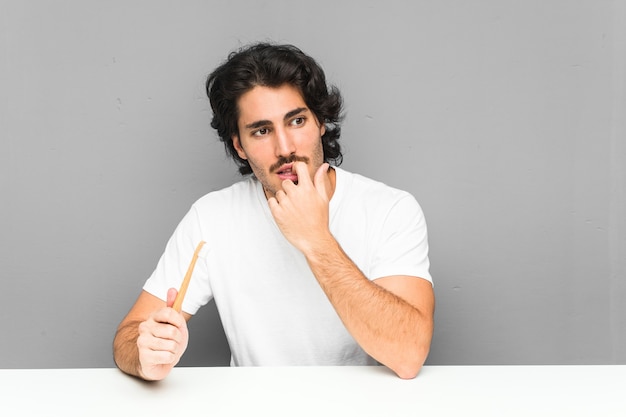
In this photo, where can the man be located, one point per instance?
(308, 264)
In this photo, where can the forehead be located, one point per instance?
(268, 103)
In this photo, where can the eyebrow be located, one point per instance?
(288, 115)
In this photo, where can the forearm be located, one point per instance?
(125, 351)
(392, 330)
(386, 326)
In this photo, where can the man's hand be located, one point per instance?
(162, 340)
(301, 211)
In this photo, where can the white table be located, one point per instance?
(320, 391)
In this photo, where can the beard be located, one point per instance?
(314, 158)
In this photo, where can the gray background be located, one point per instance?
(506, 119)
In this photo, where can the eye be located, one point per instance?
(261, 132)
(298, 121)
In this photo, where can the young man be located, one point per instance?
(308, 264)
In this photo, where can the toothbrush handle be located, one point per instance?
(178, 302)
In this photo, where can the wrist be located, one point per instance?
(321, 249)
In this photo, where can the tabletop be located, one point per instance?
(320, 391)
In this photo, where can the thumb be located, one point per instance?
(171, 296)
(320, 179)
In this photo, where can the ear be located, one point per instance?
(322, 129)
(238, 147)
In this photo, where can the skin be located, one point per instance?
(274, 124)
(152, 337)
(391, 318)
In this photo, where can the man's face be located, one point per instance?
(276, 128)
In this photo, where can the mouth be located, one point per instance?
(286, 172)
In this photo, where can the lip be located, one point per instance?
(286, 172)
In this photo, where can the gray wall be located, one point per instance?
(506, 119)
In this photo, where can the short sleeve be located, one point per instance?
(403, 242)
(174, 262)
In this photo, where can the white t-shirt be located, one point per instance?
(272, 308)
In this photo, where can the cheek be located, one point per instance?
(318, 148)
(259, 156)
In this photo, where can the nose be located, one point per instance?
(284, 145)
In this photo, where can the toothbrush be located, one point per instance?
(178, 302)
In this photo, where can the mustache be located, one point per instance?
(283, 160)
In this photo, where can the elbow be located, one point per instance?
(410, 367)
(412, 359)
(409, 374)
(408, 371)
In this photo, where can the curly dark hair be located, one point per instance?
(270, 65)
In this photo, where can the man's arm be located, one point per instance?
(152, 337)
(392, 317)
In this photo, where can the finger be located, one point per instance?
(167, 315)
(171, 296)
(287, 185)
(280, 194)
(320, 179)
(159, 340)
(159, 357)
(154, 351)
(167, 334)
(302, 172)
